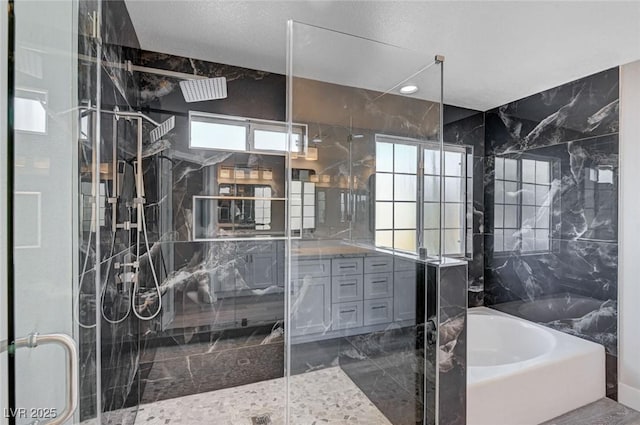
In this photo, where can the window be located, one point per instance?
(209, 131)
(262, 207)
(455, 187)
(396, 195)
(213, 135)
(522, 205)
(397, 207)
(303, 205)
(30, 114)
(273, 140)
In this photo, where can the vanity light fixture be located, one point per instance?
(225, 173)
(409, 89)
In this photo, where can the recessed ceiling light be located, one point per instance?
(408, 89)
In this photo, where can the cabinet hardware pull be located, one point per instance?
(348, 311)
(378, 307)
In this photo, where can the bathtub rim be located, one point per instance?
(567, 346)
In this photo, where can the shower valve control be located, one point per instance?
(135, 265)
(127, 225)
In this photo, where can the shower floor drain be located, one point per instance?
(261, 420)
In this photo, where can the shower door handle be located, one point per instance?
(34, 340)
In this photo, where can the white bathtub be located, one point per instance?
(521, 373)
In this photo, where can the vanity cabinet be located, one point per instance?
(404, 290)
(311, 305)
(260, 264)
(348, 295)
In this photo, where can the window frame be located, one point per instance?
(519, 204)
(251, 124)
(466, 180)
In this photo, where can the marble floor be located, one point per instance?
(325, 396)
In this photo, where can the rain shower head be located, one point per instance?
(204, 89)
(161, 130)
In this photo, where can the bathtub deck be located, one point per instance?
(602, 412)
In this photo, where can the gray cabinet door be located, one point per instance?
(263, 269)
(404, 295)
(311, 306)
(257, 265)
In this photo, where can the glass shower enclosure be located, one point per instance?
(360, 220)
(364, 220)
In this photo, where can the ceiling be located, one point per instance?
(496, 52)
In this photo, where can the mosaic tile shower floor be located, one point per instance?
(325, 396)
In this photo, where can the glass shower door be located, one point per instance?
(357, 345)
(52, 82)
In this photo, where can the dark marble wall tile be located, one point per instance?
(581, 194)
(564, 277)
(452, 362)
(387, 366)
(250, 93)
(464, 127)
(222, 315)
(572, 288)
(583, 108)
(118, 342)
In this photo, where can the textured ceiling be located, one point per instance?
(496, 52)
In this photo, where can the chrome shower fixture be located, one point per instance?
(204, 89)
(162, 130)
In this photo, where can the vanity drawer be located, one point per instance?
(346, 315)
(378, 311)
(378, 285)
(310, 268)
(347, 288)
(382, 264)
(346, 266)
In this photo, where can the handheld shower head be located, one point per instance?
(162, 130)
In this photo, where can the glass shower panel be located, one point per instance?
(55, 213)
(356, 285)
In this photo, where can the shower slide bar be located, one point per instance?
(65, 341)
